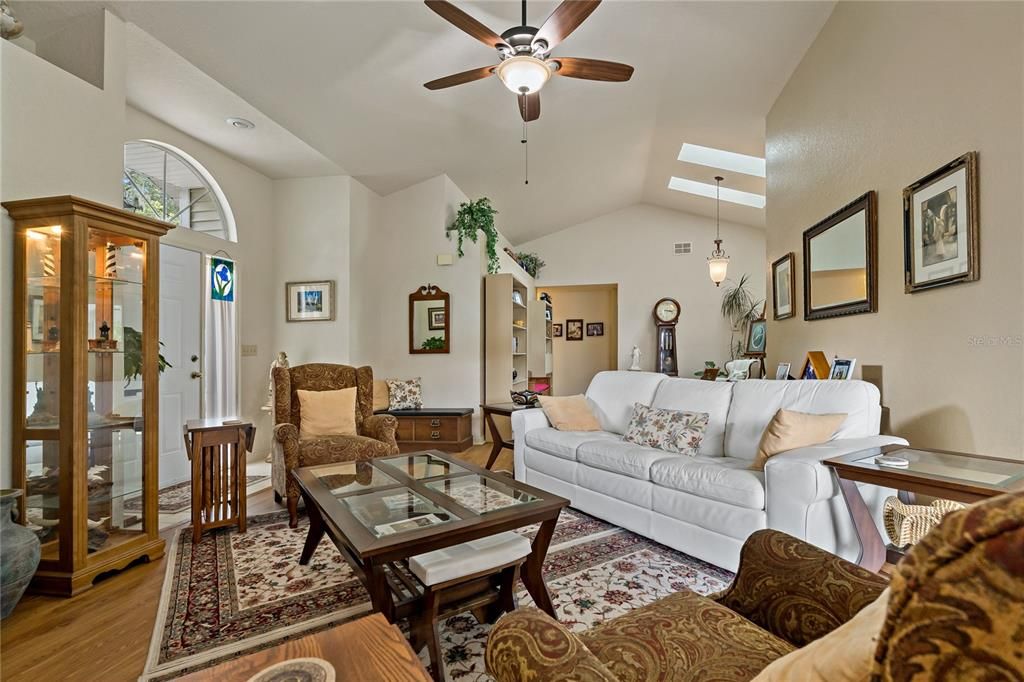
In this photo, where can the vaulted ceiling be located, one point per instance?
(346, 79)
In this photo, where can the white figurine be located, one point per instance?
(281, 361)
(635, 356)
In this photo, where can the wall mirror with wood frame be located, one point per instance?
(841, 262)
(429, 320)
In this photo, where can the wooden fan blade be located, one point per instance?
(564, 20)
(459, 78)
(455, 16)
(593, 69)
(529, 107)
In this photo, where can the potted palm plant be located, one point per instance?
(739, 308)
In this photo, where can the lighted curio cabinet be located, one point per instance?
(85, 375)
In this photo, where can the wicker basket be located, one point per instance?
(906, 524)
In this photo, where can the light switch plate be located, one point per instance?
(248, 351)
(445, 259)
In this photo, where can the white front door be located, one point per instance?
(181, 307)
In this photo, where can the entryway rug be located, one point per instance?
(234, 593)
(176, 498)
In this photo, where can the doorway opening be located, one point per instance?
(589, 319)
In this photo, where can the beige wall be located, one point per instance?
(576, 362)
(887, 93)
(633, 247)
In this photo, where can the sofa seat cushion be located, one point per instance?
(563, 444)
(621, 457)
(726, 479)
(330, 449)
(683, 637)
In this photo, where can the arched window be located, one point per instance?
(163, 182)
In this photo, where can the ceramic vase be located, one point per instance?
(19, 553)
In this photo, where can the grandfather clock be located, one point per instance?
(666, 317)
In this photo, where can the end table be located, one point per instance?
(217, 450)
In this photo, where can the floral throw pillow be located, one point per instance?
(405, 394)
(668, 430)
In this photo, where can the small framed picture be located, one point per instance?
(842, 368)
(595, 328)
(547, 313)
(574, 330)
(783, 285)
(435, 318)
(309, 301)
(940, 227)
(782, 371)
(756, 337)
(35, 320)
(556, 330)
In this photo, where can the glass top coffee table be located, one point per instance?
(938, 473)
(380, 512)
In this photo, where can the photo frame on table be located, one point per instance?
(309, 301)
(782, 371)
(435, 319)
(36, 321)
(757, 337)
(816, 366)
(842, 368)
(574, 330)
(940, 227)
(595, 328)
(556, 330)
(784, 287)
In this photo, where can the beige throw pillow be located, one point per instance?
(789, 430)
(571, 413)
(843, 655)
(327, 413)
(381, 396)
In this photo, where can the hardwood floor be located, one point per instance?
(103, 633)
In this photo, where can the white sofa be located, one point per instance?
(706, 505)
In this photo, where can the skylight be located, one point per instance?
(719, 158)
(703, 189)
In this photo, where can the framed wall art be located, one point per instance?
(783, 287)
(309, 301)
(940, 227)
(595, 328)
(556, 330)
(574, 330)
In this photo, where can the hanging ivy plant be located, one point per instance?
(475, 217)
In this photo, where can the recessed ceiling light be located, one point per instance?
(241, 123)
(703, 189)
(719, 158)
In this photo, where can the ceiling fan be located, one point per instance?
(525, 63)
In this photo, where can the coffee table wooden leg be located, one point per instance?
(872, 548)
(431, 608)
(532, 574)
(380, 593)
(498, 441)
(315, 534)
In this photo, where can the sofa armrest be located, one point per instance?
(524, 421)
(527, 644)
(795, 590)
(796, 479)
(382, 427)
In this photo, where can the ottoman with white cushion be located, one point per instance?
(448, 575)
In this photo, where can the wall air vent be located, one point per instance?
(681, 248)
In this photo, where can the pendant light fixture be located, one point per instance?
(718, 262)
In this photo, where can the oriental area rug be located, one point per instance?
(233, 593)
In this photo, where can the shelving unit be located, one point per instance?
(85, 402)
(507, 337)
(540, 365)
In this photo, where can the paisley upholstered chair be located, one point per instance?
(955, 611)
(376, 433)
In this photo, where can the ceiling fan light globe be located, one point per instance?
(524, 75)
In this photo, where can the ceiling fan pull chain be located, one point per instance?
(526, 156)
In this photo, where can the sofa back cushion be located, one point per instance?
(755, 402)
(694, 395)
(613, 393)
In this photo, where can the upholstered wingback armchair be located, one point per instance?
(376, 433)
(955, 611)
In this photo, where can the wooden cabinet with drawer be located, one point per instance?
(445, 429)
